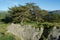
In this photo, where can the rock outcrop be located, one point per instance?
(26, 32)
(54, 34)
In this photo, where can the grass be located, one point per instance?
(38, 25)
(3, 27)
(6, 37)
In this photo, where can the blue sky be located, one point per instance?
(43, 4)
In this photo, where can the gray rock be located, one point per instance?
(26, 32)
(54, 34)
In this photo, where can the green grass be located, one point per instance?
(3, 34)
(6, 37)
(3, 27)
(39, 25)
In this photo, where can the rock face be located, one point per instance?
(26, 32)
(54, 34)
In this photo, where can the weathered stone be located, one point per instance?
(26, 32)
(54, 34)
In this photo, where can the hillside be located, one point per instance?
(3, 14)
(55, 11)
(29, 22)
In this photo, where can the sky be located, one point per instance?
(43, 4)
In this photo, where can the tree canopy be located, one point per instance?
(30, 13)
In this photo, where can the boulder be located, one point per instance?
(26, 32)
